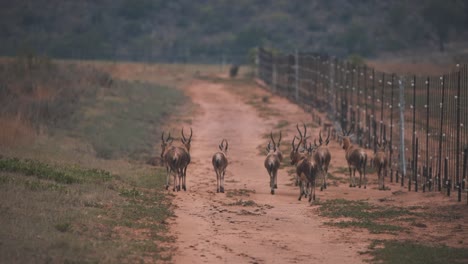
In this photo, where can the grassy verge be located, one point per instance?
(414, 253)
(79, 191)
(361, 214)
(95, 217)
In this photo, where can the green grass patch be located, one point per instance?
(57, 173)
(282, 124)
(373, 227)
(123, 121)
(414, 253)
(365, 215)
(239, 192)
(48, 221)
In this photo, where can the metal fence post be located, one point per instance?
(441, 135)
(458, 127)
(402, 130)
(391, 129)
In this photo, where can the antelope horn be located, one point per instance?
(299, 144)
(269, 146)
(183, 136)
(272, 139)
(279, 140)
(298, 130)
(320, 137)
(305, 130)
(328, 138)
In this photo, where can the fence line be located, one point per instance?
(422, 118)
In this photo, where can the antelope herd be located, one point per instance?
(311, 161)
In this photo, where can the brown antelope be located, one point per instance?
(380, 163)
(295, 154)
(173, 160)
(220, 163)
(273, 161)
(356, 158)
(306, 170)
(186, 156)
(322, 158)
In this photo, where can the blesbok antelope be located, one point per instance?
(273, 161)
(186, 156)
(356, 158)
(220, 163)
(295, 154)
(381, 163)
(277, 145)
(307, 170)
(322, 157)
(173, 160)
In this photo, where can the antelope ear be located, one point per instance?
(220, 147)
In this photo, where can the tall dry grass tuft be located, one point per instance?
(43, 92)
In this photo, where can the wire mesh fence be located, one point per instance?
(422, 119)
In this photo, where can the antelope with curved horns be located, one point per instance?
(277, 145)
(381, 163)
(173, 158)
(356, 158)
(186, 156)
(322, 157)
(220, 163)
(166, 145)
(304, 137)
(295, 154)
(307, 170)
(273, 161)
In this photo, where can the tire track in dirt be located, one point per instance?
(214, 227)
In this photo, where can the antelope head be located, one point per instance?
(186, 141)
(381, 146)
(295, 155)
(223, 148)
(303, 137)
(276, 145)
(321, 141)
(271, 148)
(311, 148)
(346, 139)
(165, 143)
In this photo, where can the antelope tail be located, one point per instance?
(363, 161)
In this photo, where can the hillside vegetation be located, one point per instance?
(194, 30)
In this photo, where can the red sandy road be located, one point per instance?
(279, 230)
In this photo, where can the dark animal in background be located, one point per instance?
(234, 70)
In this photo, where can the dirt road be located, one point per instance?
(247, 224)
